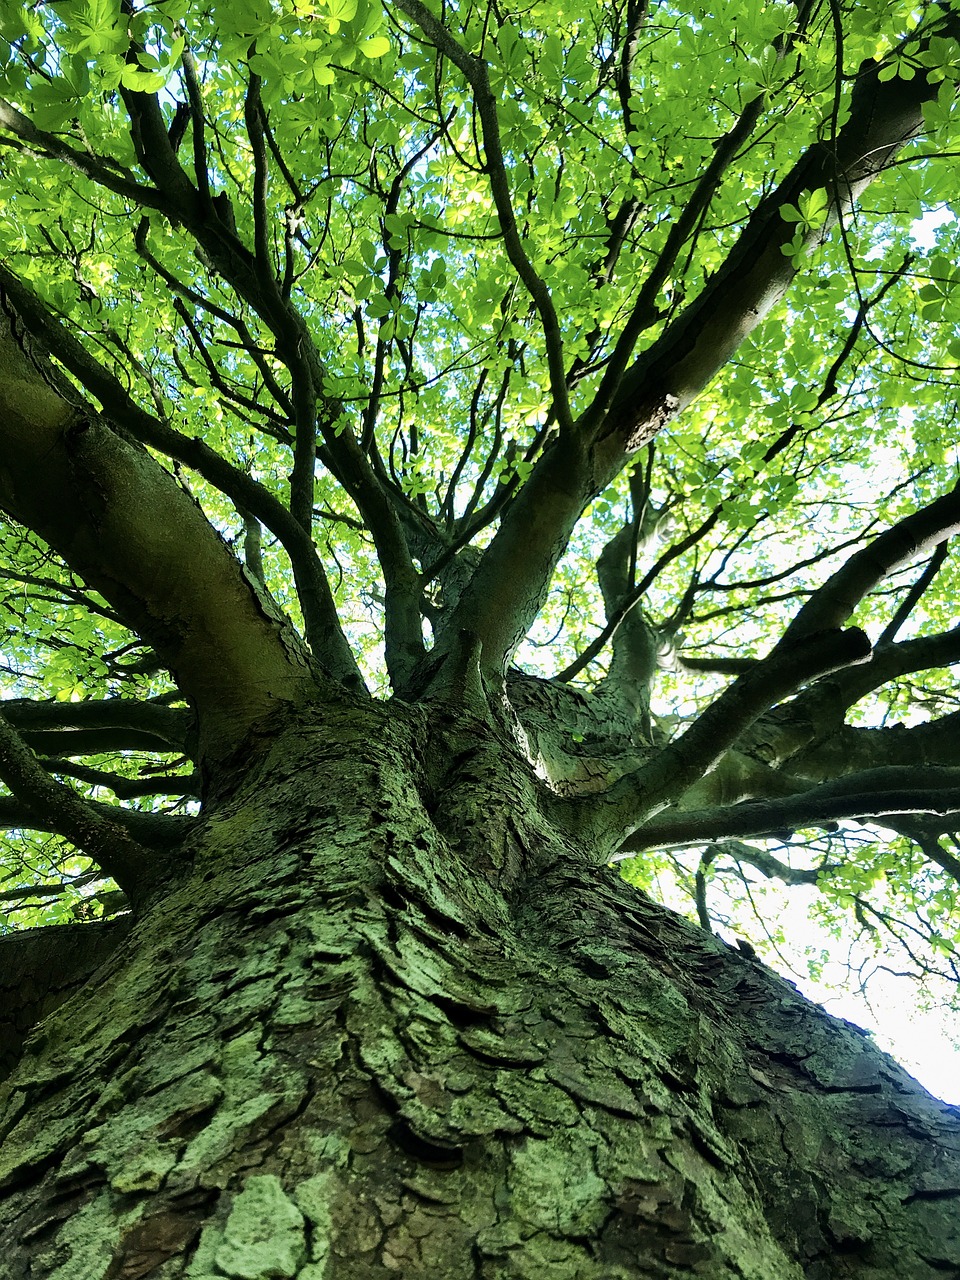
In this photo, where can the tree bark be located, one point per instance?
(391, 1023)
(41, 968)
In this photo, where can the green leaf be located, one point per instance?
(142, 81)
(338, 12)
(375, 47)
(378, 306)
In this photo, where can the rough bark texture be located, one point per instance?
(40, 968)
(392, 1024)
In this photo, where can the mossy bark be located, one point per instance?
(393, 1023)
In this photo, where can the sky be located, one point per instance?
(925, 1041)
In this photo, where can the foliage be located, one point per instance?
(386, 263)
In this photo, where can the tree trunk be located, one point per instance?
(393, 1023)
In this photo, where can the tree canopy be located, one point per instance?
(604, 353)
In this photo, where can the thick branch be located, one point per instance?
(860, 796)
(153, 831)
(811, 727)
(744, 774)
(323, 628)
(166, 727)
(889, 661)
(107, 843)
(935, 743)
(123, 523)
(715, 666)
(645, 312)
(639, 794)
(667, 377)
(69, 743)
(248, 274)
(510, 586)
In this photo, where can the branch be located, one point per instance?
(641, 793)
(156, 832)
(302, 479)
(715, 666)
(156, 784)
(195, 97)
(320, 617)
(70, 743)
(645, 312)
(831, 604)
(633, 598)
(884, 115)
(106, 173)
(915, 594)
(27, 892)
(509, 587)
(391, 292)
(760, 859)
(680, 763)
(108, 844)
(929, 844)
(108, 508)
(700, 887)
(636, 16)
(166, 727)
(476, 73)
(512, 581)
(295, 347)
(833, 697)
(864, 796)
(770, 867)
(936, 742)
(156, 154)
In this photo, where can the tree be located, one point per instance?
(402, 411)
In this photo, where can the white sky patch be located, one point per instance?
(924, 230)
(924, 1041)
